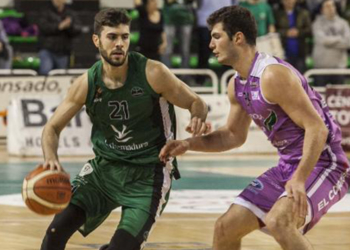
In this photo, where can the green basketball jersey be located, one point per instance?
(131, 123)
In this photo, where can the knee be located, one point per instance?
(123, 240)
(225, 230)
(278, 224)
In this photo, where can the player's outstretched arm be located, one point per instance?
(70, 106)
(232, 135)
(281, 86)
(164, 82)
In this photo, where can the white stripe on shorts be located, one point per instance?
(325, 173)
(165, 189)
(252, 207)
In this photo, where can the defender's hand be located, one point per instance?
(172, 149)
(296, 190)
(197, 127)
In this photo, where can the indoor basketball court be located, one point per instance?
(208, 185)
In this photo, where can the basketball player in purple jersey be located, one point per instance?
(313, 171)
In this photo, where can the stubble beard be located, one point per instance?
(109, 60)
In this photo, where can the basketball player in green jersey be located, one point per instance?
(130, 102)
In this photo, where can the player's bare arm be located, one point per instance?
(164, 82)
(232, 135)
(281, 86)
(70, 106)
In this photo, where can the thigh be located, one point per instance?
(90, 194)
(263, 192)
(144, 199)
(46, 62)
(147, 188)
(240, 220)
(327, 184)
(61, 61)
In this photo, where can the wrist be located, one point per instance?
(189, 144)
(301, 177)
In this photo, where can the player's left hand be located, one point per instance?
(296, 190)
(198, 127)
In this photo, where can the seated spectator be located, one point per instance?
(58, 26)
(152, 42)
(331, 42)
(263, 15)
(178, 18)
(294, 25)
(5, 50)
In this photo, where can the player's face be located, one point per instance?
(113, 44)
(221, 45)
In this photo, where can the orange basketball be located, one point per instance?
(46, 191)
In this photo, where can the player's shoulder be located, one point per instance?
(82, 79)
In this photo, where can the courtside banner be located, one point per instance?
(26, 119)
(338, 101)
(219, 107)
(29, 86)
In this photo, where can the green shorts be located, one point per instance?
(141, 191)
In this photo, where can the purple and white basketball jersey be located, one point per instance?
(330, 173)
(283, 133)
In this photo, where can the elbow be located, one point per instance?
(323, 133)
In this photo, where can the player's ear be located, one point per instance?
(238, 38)
(96, 40)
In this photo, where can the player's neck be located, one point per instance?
(118, 74)
(244, 62)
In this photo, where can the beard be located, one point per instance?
(108, 58)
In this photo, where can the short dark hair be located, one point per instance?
(235, 19)
(111, 17)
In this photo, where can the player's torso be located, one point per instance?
(283, 133)
(130, 123)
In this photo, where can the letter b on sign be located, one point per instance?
(33, 115)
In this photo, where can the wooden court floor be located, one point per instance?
(20, 229)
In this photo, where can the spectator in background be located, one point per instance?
(152, 42)
(5, 50)
(331, 42)
(314, 6)
(204, 9)
(58, 25)
(263, 15)
(178, 18)
(294, 26)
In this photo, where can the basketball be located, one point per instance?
(46, 191)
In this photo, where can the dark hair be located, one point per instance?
(111, 17)
(234, 19)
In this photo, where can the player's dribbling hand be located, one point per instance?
(172, 149)
(198, 127)
(53, 165)
(296, 190)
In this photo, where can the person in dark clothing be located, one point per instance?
(5, 49)
(294, 25)
(58, 25)
(152, 42)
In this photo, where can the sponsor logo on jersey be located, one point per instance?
(271, 120)
(137, 91)
(87, 169)
(98, 93)
(255, 95)
(121, 136)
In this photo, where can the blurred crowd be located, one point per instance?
(308, 29)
